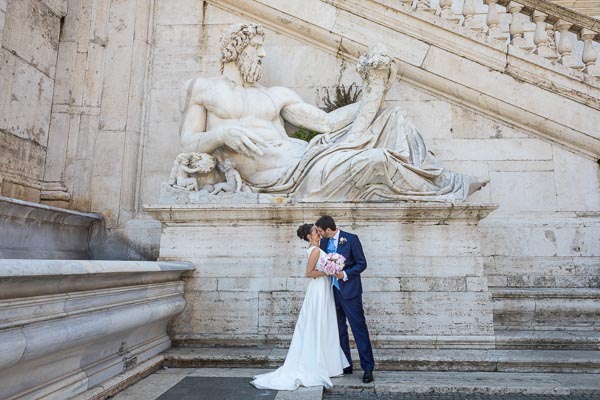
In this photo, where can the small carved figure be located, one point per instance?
(186, 164)
(233, 181)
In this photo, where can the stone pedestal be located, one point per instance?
(424, 285)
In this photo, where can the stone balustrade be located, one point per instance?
(559, 35)
(67, 326)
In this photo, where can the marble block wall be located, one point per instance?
(68, 326)
(29, 33)
(424, 285)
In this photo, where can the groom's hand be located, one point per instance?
(340, 276)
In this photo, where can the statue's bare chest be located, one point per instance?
(238, 103)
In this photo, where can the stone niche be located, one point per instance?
(424, 285)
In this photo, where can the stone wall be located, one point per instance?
(93, 150)
(424, 285)
(29, 32)
(534, 180)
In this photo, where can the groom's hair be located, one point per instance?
(326, 222)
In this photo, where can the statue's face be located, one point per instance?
(250, 60)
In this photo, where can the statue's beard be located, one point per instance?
(250, 68)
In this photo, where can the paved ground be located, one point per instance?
(234, 384)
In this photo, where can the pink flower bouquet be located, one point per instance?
(332, 263)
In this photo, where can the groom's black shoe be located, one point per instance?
(347, 370)
(368, 377)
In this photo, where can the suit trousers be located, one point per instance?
(352, 310)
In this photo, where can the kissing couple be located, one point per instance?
(320, 347)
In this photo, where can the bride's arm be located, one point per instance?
(313, 258)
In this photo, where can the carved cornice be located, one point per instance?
(58, 7)
(453, 39)
(346, 213)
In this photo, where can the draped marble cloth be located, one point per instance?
(388, 162)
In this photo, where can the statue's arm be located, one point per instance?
(191, 170)
(195, 137)
(307, 116)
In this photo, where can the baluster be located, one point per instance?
(468, 11)
(589, 56)
(565, 45)
(516, 27)
(493, 21)
(551, 33)
(425, 5)
(540, 38)
(446, 11)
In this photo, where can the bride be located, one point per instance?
(315, 354)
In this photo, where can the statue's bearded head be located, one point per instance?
(243, 43)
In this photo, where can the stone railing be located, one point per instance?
(68, 326)
(556, 35)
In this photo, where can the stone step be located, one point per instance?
(168, 382)
(546, 308)
(548, 340)
(547, 361)
(487, 383)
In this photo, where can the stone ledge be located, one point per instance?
(18, 312)
(491, 383)
(438, 213)
(24, 278)
(25, 210)
(31, 230)
(548, 340)
(555, 361)
(546, 293)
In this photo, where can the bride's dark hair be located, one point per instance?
(304, 230)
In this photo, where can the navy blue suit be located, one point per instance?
(348, 299)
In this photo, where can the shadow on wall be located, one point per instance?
(36, 231)
(139, 239)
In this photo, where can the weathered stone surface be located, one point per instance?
(24, 88)
(428, 288)
(30, 230)
(423, 360)
(31, 32)
(70, 326)
(550, 309)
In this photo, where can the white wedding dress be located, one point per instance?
(315, 354)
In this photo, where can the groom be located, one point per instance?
(348, 292)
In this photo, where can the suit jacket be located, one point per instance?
(355, 263)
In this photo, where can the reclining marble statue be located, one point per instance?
(364, 153)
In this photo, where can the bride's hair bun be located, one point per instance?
(304, 230)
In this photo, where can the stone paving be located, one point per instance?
(234, 384)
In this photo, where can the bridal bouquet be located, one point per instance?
(332, 263)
